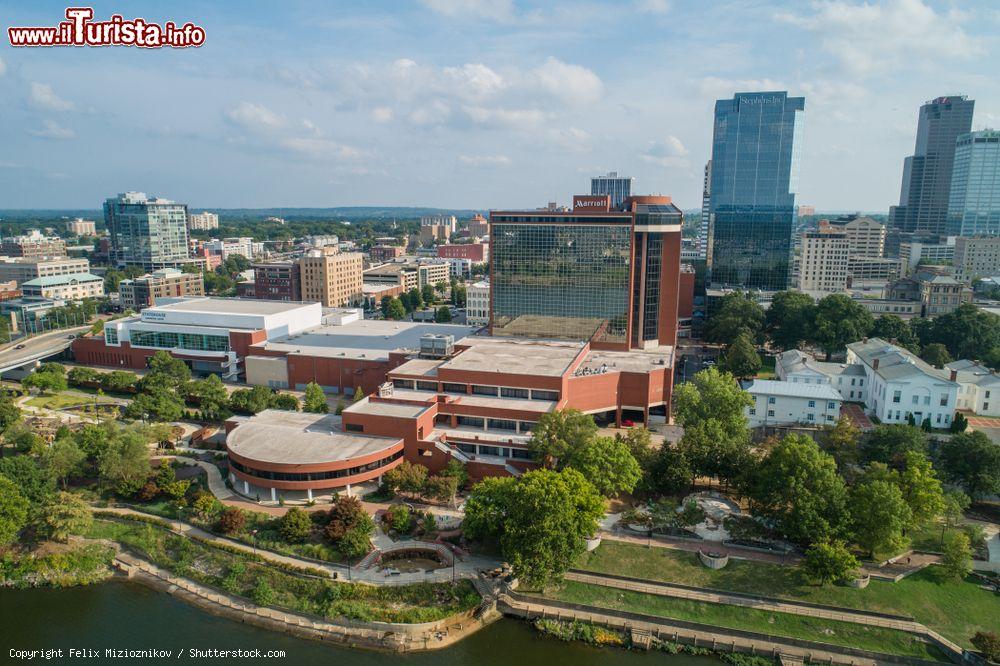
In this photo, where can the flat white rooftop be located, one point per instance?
(301, 438)
(216, 306)
(368, 339)
(548, 358)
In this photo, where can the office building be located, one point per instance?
(410, 273)
(228, 247)
(382, 253)
(479, 226)
(71, 287)
(331, 277)
(477, 303)
(212, 335)
(823, 263)
(927, 174)
(873, 269)
(597, 273)
(916, 252)
(321, 240)
(146, 232)
(203, 221)
(435, 233)
(619, 188)
(754, 176)
(22, 269)
(33, 245)
(81, 227)
(277, 280)
(804, 210)
(974, 203)
(477, 253)
(143, 291)
(706, 204)
(976, 258)
(449, 221)
(865, 236)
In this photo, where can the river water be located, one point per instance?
(128, 616)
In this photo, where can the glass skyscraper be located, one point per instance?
(927, 174)
(754, 175)
(974, 204)
(619, 188)
(151, 233)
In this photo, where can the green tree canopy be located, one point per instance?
(839, 320)
(443, 315)
(790, 319)
(879, 517)
(921, 488)
(171, 369)
(315, 399)
(798, 487)
(607, 463)
(65, 514)
(124, 462)
(741, 358)
(13, 511)
(712, 394)
(936, 354)
(396, 310)
(971, 461)
(841, 442)
(46, 382)
(559, 434)
(956, 555)
(967, 331)
(736, 313)
(889, 443)
(295, 526)
(34, 481)
(892, 328)
(64, 459)
(829, 562)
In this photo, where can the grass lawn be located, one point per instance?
(735, 617)
(956, 610)
(766, 368)
(61, 400)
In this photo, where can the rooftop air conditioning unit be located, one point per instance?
(437, 345)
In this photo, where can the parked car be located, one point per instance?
(19, 347)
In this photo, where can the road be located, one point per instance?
(37, 347)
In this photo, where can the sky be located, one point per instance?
(474, 103)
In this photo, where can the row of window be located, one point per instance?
(315, 476)
(171, 340)
(463, 389)
(495, 451)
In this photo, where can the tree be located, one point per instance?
(959, 423)
(10, 413)
(608, 464)
(156, 404)
(741, 358)
(286, 401)
(889, 443)
(829, 562)
(712, 395)
(396, 310)
(346, 514)
(65, 514)
(356, 542)
(118, 381)
(406, 477)
(967, 331)
(712, 451)
(790, 319)
(64, 459)
(486, 508)
(441, 487)
(558, 434)
(736, 313)
(892, 328)
(956, 555)
(231, 521)
(921, 488)
(210, 394)
(879, 517)
(295, 526)
(262, 593)
(839, 320)
(841, 442)
(31, 479)
(315, 399)
(253, 400)
(797, 486)
(971, 461)
(45, 382)
(457, 470)
(936, 354)
(399, 518)
(443, 315)
(171, 369)
(988, 643)
(427, 294)
(670, 472)
(358, 394)
(13, 511)
(124, 463)
(384, 306)
(206, 506)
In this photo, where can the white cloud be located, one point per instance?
(867, 38)
(484, 160)
(494, 10)
(653, 6)
(572, 84)
(41, 96)
(473, 79)
(310, 127)
(572, 138)
(522, 119)
(715, 88)
(255, 116)
(382, 114)
(670, 151)
(53, 130)
(320, 148)
(3, 67)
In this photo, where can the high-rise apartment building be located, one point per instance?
(81, 227)
(203, 221)
(147, 232)
(823, 262)
(706, 203)
(927, 174)
(865, 236)
(594, 273)
(619, 188)
(227, 247)
(976, 258)
(277, 281)
(331, 277)
(142, 292)
(34, 245)
(754, 175)
(974, 203)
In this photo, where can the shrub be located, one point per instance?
(829, 562)
(988, 643)
(231, 521)
(399, 518)
(295, 526)
(262, 592)
(355, 543)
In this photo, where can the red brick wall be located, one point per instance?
(91, 350)
(685, 306)
(474, 251)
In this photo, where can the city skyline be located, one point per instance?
(464, 104)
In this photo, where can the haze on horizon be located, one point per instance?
(475, 103)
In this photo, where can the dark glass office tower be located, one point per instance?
(752, 195)
(927, 174)
(974, 208)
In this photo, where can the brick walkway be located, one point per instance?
(857, 416)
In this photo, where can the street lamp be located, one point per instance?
(253, 540)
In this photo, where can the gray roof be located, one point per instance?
(792, 389)
(216, 305)
(895, 362)
(794, 360)
(970, 372)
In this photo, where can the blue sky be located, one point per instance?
(474, 103)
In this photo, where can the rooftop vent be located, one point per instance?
(437, 345)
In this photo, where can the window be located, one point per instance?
(831, 405)
(753, 412)
(927, 400)
(403, 383)
(520, 454)
(770, 401)
(812, 403)
(506, 392)
(466, 448)
(853, 380)
(896, 395)
(986, 406)
(471, 421)
(852, 394)
(502, 424)
(484, 390)
(489, 450)
(944, 399)
(538, 394)
(427, 386)
(454, 388)
(354, 427)
(811, 417)
(987, 396)
(770, 412)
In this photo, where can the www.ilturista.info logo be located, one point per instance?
(80, 30)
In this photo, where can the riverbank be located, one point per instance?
(56, 565)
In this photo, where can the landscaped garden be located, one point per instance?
(956, 609)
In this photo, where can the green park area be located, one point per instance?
(957, 610)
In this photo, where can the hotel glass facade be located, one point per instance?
(151, 233)
(974, 206)
(566, 280)
(755, 159)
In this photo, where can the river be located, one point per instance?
(128, 616)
